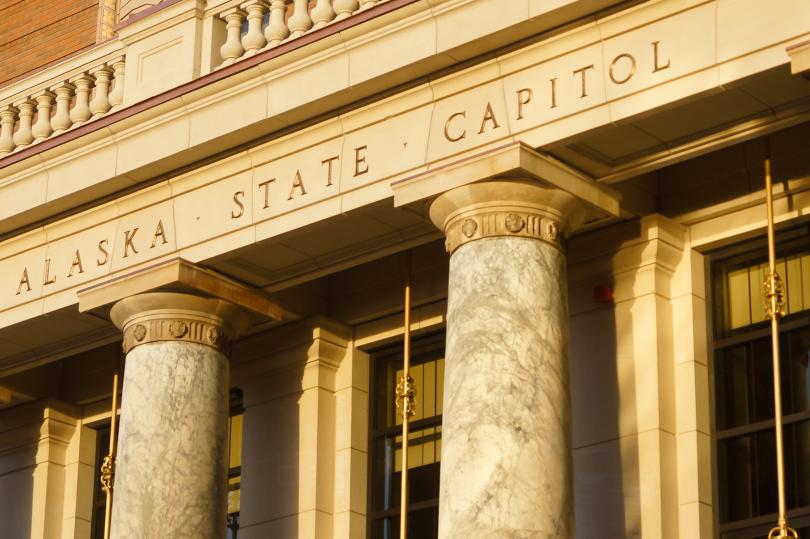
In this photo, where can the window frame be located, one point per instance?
(790, 241)
(428, 346)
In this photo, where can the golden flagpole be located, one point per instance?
(108, 465)
(775, 309)
(405, 400)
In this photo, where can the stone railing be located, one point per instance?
(59, 104)
(257, 25)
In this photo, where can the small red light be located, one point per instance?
(603, 294)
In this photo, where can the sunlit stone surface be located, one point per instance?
(171, 476)
(506, 431)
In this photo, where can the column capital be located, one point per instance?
(508, 191)
(506, 208)
(179, 317)
(179, 301)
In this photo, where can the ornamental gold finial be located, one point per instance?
(406, 396)
(107, 473)
(774, 297)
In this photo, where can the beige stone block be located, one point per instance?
(143, 235)
(664, 95)
(353, 373)
(695, 520)
(657, 482)
(371, 56)
(351, 419)
(153, 141)
(215, 209)
(206, 174)
(744, 26)
(20, 313)
(297, 219)
(693, 410)
(83, 170)
(555, 89)
(564, 127)
(690, 326)
(351, 476)
(26, 190)
(458, 26)
(296, 181)
(381, 150)
(661, 51)
(350, 525)
(468, 120)
(607, 490)
(388, 107)
(694, 468)
(597, 402)
(307, 82)
(214, 247)
(239, 108)
(165, 59)
(23, 270)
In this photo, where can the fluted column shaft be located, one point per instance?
(506, 429)
(171, 467)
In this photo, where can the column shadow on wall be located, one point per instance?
(603, 381)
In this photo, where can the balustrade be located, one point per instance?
(258, 25)
(60, 106)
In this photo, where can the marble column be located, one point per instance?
(171, 466)
(506, 466)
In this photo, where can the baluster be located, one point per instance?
(8, 116)
(277, 30)
(117, 93)
(254, 39)
(344, 8)
(61, 120)
(300, 21)
(80, 112)
(368, 3)
(42, 128)
(25, 109)
(232, 49)
(100, 103)
(322, 13)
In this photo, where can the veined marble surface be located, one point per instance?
(506, 468)
(171, 474)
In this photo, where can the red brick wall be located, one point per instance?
(34, 33)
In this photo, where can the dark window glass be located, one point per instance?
(743, 392)
(424, 451)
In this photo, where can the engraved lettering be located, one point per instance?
(77, 263)
(102, 247)
(553, 83)
(524, 96)
(630, 72)
(489, 116)
(328, 162)
(297, 182)
(360, 160)
(266, 186)
(452, 117)
(158, 232)
(129, 235)
(582, 71)
(656, 62)
(48, 279)
(24, 281)
(237, 198)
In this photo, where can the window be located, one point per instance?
(234, 462)
(99, 496)
(743, 390)
(424, 451)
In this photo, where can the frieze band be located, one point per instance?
(178, 329)
(515, 222)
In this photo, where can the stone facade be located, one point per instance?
(223, 195)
